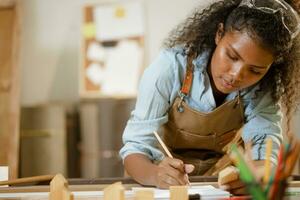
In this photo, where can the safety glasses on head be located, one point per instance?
(289, 17)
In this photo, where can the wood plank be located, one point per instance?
(27, 180)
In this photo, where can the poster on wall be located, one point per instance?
(112, 49)
(119, 21)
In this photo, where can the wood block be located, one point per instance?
(144, 194)
(59, 189)
(115, 191)
(179, 193)
(67, 195)
(227, 175)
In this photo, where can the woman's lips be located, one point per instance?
(227, 84)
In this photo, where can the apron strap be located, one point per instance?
(188, 79)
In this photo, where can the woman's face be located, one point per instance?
(238, 61)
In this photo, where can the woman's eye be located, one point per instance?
(255, 72)
(234, 58)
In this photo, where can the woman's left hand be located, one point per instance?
(233, 185)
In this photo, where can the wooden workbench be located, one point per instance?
(85, 189)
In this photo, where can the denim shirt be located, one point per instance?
(158, 89)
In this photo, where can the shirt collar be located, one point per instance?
(201, 61)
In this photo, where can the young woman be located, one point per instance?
(227, 66)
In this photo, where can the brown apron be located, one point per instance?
(202, 139)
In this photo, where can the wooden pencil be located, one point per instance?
(162, 144)
(268, 161)
(166, 149)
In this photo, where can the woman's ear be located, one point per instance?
(220, 33)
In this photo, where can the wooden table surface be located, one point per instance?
(93, 185)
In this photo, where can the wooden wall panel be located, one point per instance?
(9, 88)
(7, 3)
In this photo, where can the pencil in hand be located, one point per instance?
(166, 149)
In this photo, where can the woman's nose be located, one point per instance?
(236, 72)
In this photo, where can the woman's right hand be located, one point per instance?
(171, 171)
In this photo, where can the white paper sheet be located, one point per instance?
(113, 26)
(122, 69)
(206, 192)
(95, 73)
(96, 52)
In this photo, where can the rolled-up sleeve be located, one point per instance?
(263, 120)
(150, 113)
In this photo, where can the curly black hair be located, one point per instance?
(197, 34)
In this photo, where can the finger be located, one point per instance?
(235, 185)
(176, 169)
(163, 185)
(240, 191)
(164, 180)
(169, 180)
(224, 187)
(188, 168)
(166, 169)
(180, 177)
(186, 179)
(176, 163)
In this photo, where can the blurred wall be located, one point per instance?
(51, 43)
